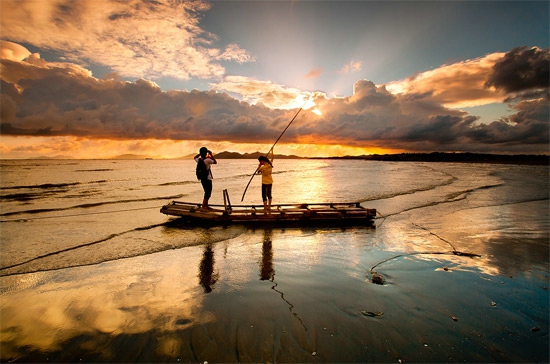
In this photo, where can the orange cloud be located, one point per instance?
(351, 67)
(13, 51)
(263, 92)
(456, 85)
(314, 73)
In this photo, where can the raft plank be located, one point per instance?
(300, 212)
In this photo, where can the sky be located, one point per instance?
(102, 78)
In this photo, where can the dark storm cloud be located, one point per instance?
(528, 126)
(522, 69)
(373, 113)
(58, 99)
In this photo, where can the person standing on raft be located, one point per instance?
(265, 168)
(208, 158)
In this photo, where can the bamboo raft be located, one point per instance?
(303, 213)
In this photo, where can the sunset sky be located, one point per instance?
(100, 78)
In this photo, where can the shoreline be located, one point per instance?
(439, 157)
(435, 157)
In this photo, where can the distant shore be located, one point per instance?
(529, 159)
(525, 159)
(455, 158)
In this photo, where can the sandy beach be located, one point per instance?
(283, 295)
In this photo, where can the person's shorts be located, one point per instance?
(266, 192)
(207, 187)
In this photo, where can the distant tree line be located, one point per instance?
(457, 158)
(530, 159)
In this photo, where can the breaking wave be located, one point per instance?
(115, 247)
(88, 205)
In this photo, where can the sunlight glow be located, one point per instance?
(83, 148)
(307, 104)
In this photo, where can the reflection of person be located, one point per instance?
(265, 168)
(206, 182)
(267, 272)
(207, 276)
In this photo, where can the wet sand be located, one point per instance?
(282, 295)
(116, 283)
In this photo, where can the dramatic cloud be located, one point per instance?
(263, 92)
(13, 52)
(462, 84)
(41, 98)
(522, 69)
(53, 99)
(134, 38)
(530, 125)
(97, 76)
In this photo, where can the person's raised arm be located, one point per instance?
(211, 156)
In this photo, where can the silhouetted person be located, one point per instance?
(207, 157)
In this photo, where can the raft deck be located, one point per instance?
(281, 213)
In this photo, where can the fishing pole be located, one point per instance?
(270, 150)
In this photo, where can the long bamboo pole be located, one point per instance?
(270, 150)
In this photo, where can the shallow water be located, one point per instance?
(90, 270)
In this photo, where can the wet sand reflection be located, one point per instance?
(219, 301)
(267, 271)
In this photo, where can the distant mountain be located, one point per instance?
(55, 157)
(255, 155)
(122, 156)
(135, 156)
(235, 155)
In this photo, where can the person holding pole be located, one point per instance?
(205, 156)
(265, 168)
(271, 150)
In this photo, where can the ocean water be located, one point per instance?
(90, 270)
